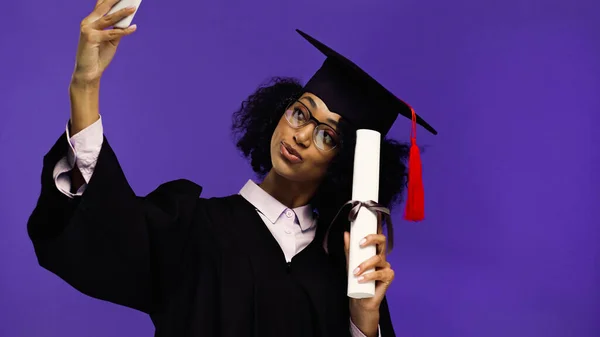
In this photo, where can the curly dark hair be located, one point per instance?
(256, 120)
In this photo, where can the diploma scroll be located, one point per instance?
(365, 187)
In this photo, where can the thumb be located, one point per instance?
(347, 245)
(115, 42)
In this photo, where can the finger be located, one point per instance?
(110, 20)
(98, 3)
(371, 263)
(117, 34)
(97, 36)
(382, 275)
(375, 239)
(381, 287)
(102, 7)
(115, 42)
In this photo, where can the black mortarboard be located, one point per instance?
(350, 92)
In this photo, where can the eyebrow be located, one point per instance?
(314, 105)
(311, 101)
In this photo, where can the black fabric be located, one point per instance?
(352, 93)
(198, 266)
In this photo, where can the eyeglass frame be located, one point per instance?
(312, 119)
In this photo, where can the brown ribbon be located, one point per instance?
(372, 206)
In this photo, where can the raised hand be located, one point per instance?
(98, 42)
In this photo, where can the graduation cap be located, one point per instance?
(366, 104)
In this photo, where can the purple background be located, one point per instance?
(510, 244)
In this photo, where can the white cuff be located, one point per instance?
(355, 331)
(84, 148)
(62, 179)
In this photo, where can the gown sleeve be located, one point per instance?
(386, 326)
(109, 243)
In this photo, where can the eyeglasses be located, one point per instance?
(325, 137)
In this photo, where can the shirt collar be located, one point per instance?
(272, 208)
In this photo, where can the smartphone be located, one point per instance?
(126, 22)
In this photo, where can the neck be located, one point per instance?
(292, 194)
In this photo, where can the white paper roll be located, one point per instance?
(365, 186)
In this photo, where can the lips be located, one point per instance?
(290, 153)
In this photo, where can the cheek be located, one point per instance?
(321, 161)
(281, 127)
(276, 134)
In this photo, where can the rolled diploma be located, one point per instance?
(365, 186)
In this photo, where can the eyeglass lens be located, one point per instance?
(298, 115)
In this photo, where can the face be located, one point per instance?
(305, 140)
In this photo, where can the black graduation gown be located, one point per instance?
(198, 266)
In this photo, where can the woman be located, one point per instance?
(249, 264)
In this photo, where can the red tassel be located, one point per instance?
(415, 203)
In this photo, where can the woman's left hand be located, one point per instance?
(365, 311)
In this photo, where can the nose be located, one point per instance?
(304, 135)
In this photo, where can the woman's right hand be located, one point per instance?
(97, 47)
(97, 44)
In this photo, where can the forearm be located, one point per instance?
(366, 322)
(85, 97)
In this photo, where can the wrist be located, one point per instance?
(367, 321)
(84, 82)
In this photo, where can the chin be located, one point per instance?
(287, 170)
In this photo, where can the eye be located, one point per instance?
(299, 114)
(329, 139)
(326, 137)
